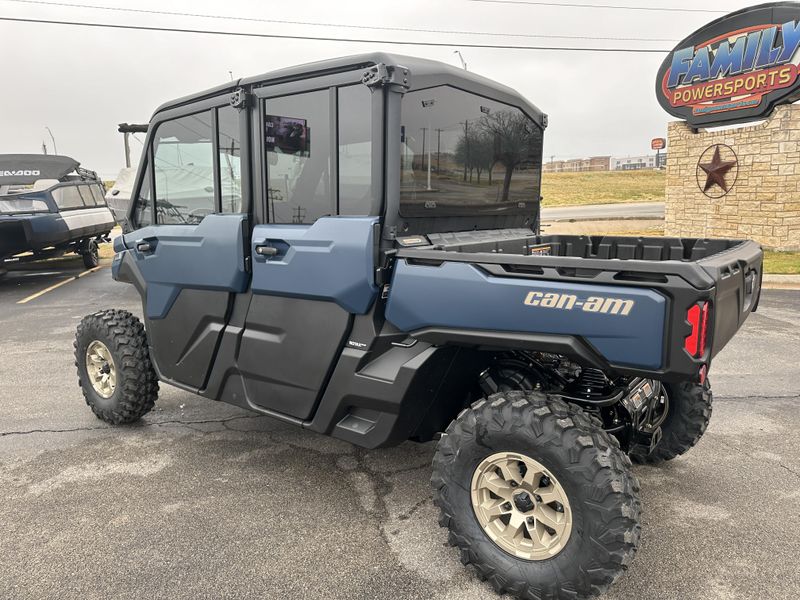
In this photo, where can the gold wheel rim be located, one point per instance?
(521, 506)
(101, 369)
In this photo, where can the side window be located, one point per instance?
(297, 142)
(183, 152)
(230, 159)
(67, 197)
(355, 150)
(86, 194)
(97, 192)
(143, 215)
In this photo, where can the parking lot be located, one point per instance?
(205, 500)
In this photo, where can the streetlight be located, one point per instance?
(461, 58)
(55, 148)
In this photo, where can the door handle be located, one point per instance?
(144, 246)
(266, 251)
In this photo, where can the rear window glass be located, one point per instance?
(465, 154)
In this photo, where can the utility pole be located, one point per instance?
(466, 147)
(438, 150)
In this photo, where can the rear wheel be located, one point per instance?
(91, 255)
(686, 421)
(537, 497)
(688, 414)
(114, 369)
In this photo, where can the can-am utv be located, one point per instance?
(360, 257)
(50, 206)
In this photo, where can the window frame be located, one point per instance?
(147, 158)
(330, 82)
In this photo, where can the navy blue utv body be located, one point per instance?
(353, 247)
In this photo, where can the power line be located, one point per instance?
(609, 6)
(327, 38)
(341, 25)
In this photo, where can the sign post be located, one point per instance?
(658, 144)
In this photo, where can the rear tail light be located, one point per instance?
(697, 317)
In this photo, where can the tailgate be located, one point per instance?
(737, 273)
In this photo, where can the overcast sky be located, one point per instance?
(81, 81)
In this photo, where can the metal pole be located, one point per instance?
(127, 150)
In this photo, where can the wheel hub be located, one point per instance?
(521, 506)
(523, 502)
(101, 369)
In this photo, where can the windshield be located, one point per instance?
(463, 154)
(13, 205)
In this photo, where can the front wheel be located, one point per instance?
(537, 497)
(114, 369)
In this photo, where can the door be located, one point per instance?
(312, 270)
(188, 255)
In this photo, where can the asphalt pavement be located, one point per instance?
(604, 212)
(203, 500)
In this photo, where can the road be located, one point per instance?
(203, 500)
(591, 212)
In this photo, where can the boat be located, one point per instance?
(50, 206)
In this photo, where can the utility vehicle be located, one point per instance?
(50, 206)
(364, 261)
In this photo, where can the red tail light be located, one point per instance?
(695, 342)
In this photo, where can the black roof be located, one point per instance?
(423, 73)
(25, 169)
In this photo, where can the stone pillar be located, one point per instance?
(763, 202)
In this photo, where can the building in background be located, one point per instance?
(633, 163)
(574, 165)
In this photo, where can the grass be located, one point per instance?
(603, 187)
(782, 263)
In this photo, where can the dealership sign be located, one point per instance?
(737, 68)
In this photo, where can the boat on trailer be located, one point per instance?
(50, 206)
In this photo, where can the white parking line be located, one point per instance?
(58, 285)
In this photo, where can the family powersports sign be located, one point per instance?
(737, 68)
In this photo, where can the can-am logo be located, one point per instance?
(592, 304)
(736, 68)
(21, 173)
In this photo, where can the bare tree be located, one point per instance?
(514, 140)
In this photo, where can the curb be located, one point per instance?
(589, 219)
(780, 282)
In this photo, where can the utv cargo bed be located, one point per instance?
(724, 276)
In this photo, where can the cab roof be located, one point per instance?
(423, 73)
